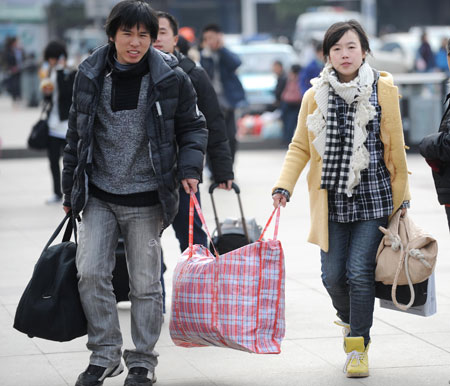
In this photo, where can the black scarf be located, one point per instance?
(126, 84)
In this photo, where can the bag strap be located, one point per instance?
(277, 223)
(194, 202)
(71, 227)
(402, 262)
(46, 110)
(396, 245)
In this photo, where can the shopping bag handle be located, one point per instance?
(193, 202)
(277, 223)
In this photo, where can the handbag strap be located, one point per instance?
(71, 227)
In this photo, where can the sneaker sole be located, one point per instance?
(116, 371)
(357, 375)
(151, 381)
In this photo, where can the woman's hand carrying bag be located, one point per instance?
(406, 256)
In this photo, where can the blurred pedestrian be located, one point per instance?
(278, 70)
(14, 58)
(218, 149)
(57, 87)
(441, 56)
(425, 57)
(187, 44)
(134, 134)
(312, 69)
(436, 150)
(291, 99)
(350, 131)
(221, 65)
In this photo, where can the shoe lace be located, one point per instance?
(345, 327)
(353, 355)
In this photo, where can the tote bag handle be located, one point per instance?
(194, 203)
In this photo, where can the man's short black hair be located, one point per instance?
(212, 27)
(172, 21)
(130, 13)
(55, 50)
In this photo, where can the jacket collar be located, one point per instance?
(161, 65)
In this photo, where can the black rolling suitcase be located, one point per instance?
(233, 233)
(120, 278)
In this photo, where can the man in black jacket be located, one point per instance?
(436, 150)
(134, 133)
(218, 149)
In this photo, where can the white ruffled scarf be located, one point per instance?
(359, 90)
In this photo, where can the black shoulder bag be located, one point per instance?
(50, 307)
(38, 138)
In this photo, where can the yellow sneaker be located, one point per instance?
(357, 364)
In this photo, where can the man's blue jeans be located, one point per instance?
(98, 235)
(348, 271)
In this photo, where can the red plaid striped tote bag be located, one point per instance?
(234, 300)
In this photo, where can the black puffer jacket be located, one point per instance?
(177, 139)
(218, 147)
(436, 149)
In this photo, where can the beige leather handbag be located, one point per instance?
(406, 256)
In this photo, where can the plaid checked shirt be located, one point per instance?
(372, 198)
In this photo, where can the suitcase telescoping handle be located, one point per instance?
(216, 218)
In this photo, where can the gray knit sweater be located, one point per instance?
(121, 158)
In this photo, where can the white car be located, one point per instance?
(387, 60)
(255, 72)
(405, 45)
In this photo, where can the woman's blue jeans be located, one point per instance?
(348, 271)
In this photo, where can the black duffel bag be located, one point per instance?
(50, 307)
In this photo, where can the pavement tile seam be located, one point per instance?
(56, 370)
(413, 335)
(323, 358)
(32, 341)
(42, 354)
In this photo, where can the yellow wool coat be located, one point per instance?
(301, 150)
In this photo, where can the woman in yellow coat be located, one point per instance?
(350, 130)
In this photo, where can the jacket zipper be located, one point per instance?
(160, 122)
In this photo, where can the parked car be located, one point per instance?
(404, 45)
(384, 60)
(256, 74)
(312, 25)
